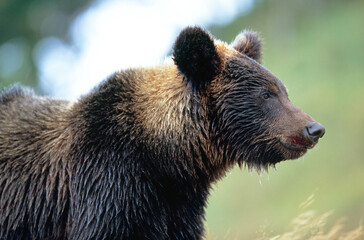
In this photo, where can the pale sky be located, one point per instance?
(113, 35)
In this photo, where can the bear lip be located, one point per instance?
(297, 143)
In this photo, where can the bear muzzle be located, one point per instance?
(309, 137)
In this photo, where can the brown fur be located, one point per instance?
(136, 157)
(36, 128)
(249, 43)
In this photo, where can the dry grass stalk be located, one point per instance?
(306, 226)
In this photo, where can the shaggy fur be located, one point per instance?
(249, 43)
(135, 158)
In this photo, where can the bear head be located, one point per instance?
(251, 119)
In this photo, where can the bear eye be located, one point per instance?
(266, 95)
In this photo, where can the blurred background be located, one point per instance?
(316, 47)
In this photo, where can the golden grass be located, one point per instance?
(308, 225)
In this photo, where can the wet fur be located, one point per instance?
(93, 171)
(135, 158)
(34, 192)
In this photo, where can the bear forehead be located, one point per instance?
(224, 50)
(254, 71)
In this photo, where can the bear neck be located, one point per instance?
(153, 115)
(176, 125)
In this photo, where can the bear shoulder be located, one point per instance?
(20, 106)
(14, 93)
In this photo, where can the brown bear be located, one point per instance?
(136, 157)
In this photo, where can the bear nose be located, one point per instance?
(314, 131)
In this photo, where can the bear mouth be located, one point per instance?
(297, 143)
(295, 146)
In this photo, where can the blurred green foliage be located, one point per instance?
(316, 48)
(22, 24)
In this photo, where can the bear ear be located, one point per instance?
(249, 43)
(196, 57)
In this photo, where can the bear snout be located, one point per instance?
(306, 139)
(314, 131)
